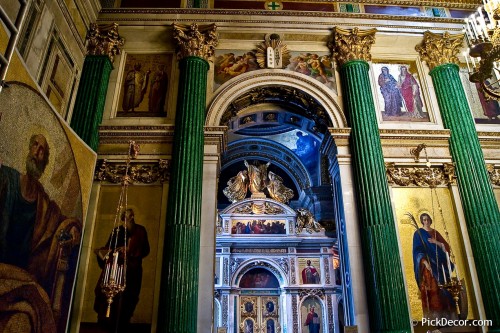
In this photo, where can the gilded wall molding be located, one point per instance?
(104, 40)
(355, 44)
(494, 173)
(139, 172)
(439, 49)
(249, 12)
(196, 41)
(420, 175)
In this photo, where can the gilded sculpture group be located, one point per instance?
(257, 179)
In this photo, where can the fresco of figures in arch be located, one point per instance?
(398, 93)
(229, 64)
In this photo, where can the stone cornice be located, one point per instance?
(167, 16)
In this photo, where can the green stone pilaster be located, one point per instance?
(90, 99)
(179, 282)
(476, 192)
(385, 286)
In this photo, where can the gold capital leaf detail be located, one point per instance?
(195, 41)
(439, 49)
(104, 40)
(352, 44)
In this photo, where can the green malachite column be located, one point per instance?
(385, 285)
(102, 45)
(476, 192)
(178, 305)
(89, 103)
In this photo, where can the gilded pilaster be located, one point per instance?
(103, 44)
(383, 274)
(480, 208)
(179, 282)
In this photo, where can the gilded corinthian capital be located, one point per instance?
(352, 44)
(104, 40)
(440, 49)
(195, 41)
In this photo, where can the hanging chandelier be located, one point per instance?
(115, 270)
(482, 31)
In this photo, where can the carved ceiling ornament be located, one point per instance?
(352, 44)
(104, 40)
(439, 49)
(194, 41)
(139, 172)
(273, 53)
(421, 176)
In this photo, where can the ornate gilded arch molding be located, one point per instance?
(254, 84)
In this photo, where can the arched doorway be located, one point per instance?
(280, 121)
(259, 300)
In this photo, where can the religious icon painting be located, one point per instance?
(311, 315)
(434, 259)
(40, 159)
(144, 209)
(309, 270)
(398, 93)
(144, 87)
(484, 111)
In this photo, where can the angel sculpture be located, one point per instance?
(257, 177)
(237, 187)
(305, 219)
(277, 190)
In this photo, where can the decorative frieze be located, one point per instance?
(421, 176)
(138, 172)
